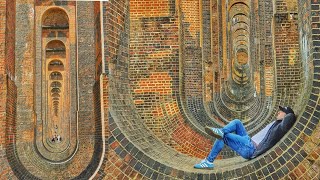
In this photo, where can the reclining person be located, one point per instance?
(236, 137)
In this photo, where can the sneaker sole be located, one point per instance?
(207, 168)
(211, 133)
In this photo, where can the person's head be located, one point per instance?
(283, 111)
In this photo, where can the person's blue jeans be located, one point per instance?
(239, 142)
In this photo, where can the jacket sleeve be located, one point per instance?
(287, 122)
(277, 132)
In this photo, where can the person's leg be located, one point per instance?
(208, 162)
(241, 144)
(215, 150)
(235, 126)
(234, 141)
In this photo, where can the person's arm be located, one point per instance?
(287, 122)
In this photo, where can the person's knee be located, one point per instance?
(226, 136)
(236, 121)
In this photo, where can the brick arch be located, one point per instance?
(242, 56)
(135, 152)
(236, 5)
(55, 90)
(55, 65)
(240, 25)
(55, 16)
(55, 44)
(241, 47)
(26, 160)
(56, 76)
(241, 37)
(55, 84)
(242, 17)
(143, 164)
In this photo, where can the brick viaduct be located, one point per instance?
(129, 85)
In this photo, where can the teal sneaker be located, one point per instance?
(204, 164)
(215, 132)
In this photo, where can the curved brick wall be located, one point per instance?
(140, 157)
(288, 158)
(8, 90)
(23, 155)
(149, 76)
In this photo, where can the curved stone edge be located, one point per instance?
(26, 163)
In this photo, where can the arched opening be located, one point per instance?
(55, 46)
(55, 65)
(55, 84)
(55, 23)
(55, 76)
(242, 56)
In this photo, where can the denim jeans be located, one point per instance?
(238, 141)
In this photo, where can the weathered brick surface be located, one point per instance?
(284, 6)
(29, 165)
(46, 107)
(7, 86)
(143, 95)
(155, 64)
(150, 8)
(287, 58)
(196, 63)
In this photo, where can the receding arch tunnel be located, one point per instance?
(123, 89)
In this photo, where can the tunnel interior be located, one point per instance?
(123, 89)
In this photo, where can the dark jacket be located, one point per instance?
(275, 133)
